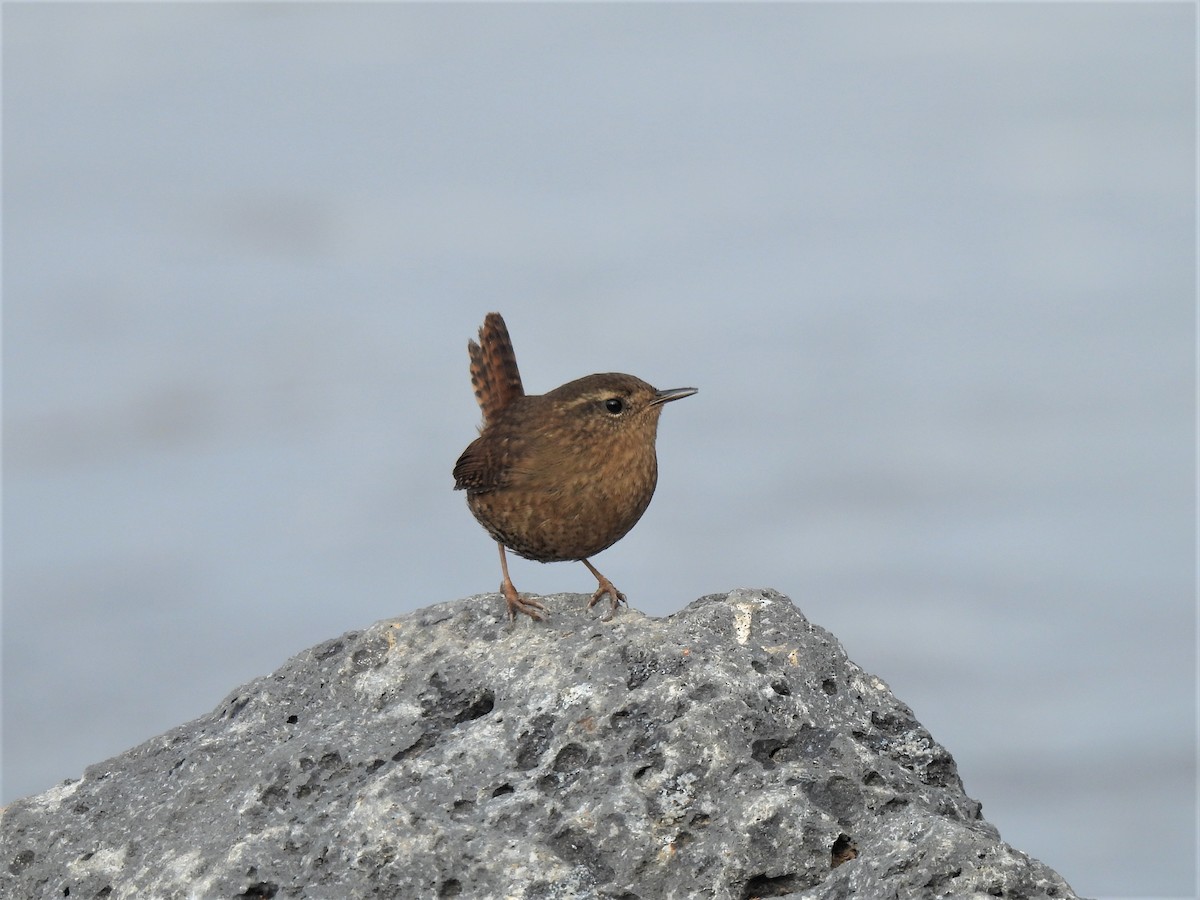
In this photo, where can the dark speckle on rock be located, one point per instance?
(728, 751)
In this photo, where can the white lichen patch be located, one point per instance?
(745, 595)
(745, 604)
(180, 870)
(868, 684)
(57, 795)
(576, 693)
(103, 861)
(743, 621)
(676, 797)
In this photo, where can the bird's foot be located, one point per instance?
(615, 597)
(530, 606)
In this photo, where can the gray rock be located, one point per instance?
(728, 751)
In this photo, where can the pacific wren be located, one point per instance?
(558, 476)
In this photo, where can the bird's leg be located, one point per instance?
(516, 603)
(615, 597)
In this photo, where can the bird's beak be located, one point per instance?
(671, 394)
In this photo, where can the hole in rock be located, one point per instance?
(570, 758)
(843, 850)
(420, 744)
(477, 708)
(263, 890)
(767, 886)
(533, 742)
(764, 750)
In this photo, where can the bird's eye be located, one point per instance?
(615, 405)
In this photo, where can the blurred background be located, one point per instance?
(932, 268)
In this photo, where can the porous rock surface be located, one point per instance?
(728, 751)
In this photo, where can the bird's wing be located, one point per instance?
(480, 468)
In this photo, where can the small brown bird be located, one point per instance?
(558, 476)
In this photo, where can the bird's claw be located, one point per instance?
(615, 598)
(530, 606)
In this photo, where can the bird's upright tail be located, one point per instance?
(494, 372)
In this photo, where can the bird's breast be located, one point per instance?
(570, 505)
